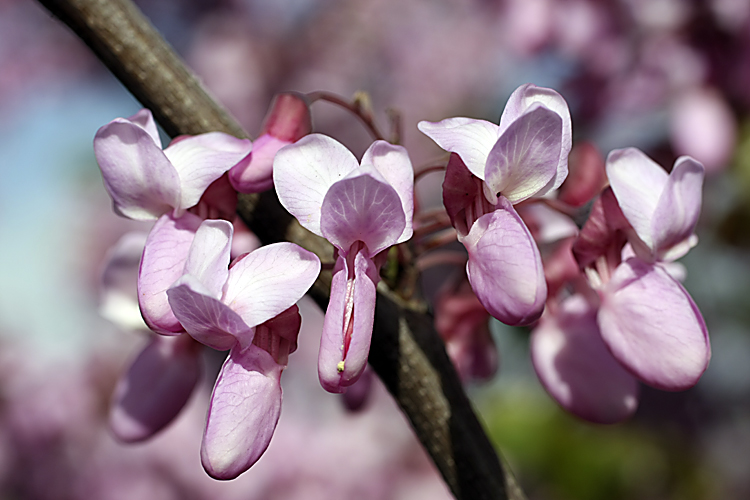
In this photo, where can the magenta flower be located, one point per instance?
(148, 183)
(248, 308)
(362, 210)
(494, 167)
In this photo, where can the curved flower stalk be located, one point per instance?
(638, 323)
(492, 168)
(248, 308)
(148, 183)
(362, 209)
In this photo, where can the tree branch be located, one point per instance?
(406, 351)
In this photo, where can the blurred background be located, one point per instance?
(671, 77)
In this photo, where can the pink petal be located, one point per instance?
(362, 208)
(347, 328)
(145, 120)
(206, 319)
(679, 206)
(577, 369)
(525, 158)
(202, 159)
(208, 258)
(142, 182)
(270, 280)
(394, 165)
(505, 268)
(163, 262)
(471, 139)
(244, 409)
(119, 281)
(653, 327)
(638, 183)
(254, 174)
(522, 100)
(304, 171)
(155, 388)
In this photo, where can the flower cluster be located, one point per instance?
(607, 308)
(616, 313)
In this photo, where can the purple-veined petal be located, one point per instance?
(347, 328)
(304, 171)
(208, 258)
(679, 206)
(363, 208)
(505, 268)
(394, 165)
(577, 369)
(525, 158)
(206, 319)
(118, 296)
(155, 388)
(145, 120)
(470, 139)
(270, 280)
(653, 327)
(522, 99)
(142, 182)
(163, 262)
(243, 412)
(254, 174)
(638, 183)
(200, 160)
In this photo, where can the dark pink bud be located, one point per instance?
(288, 121)
(586, 176)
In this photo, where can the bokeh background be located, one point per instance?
(671, 77)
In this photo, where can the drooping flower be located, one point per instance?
(248, 308)
(362, 209)
(492, 168)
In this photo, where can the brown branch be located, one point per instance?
(406, 351)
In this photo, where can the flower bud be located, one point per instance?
(288, 121)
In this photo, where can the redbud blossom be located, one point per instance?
(494, 167)
(362, 209)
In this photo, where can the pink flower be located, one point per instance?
(362, 210)
(146, 183)
(638, 323)
(248, 308)
(494, 167)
